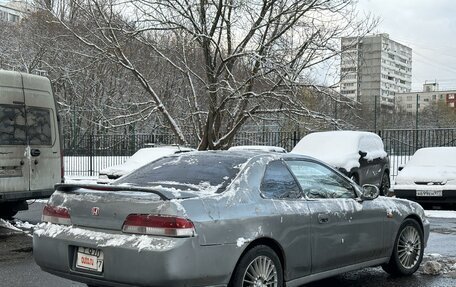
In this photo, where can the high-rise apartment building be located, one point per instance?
(375, 68)
(14, 10)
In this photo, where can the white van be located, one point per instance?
(30, 148)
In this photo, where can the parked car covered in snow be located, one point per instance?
(138, 159)
(222, 218)
(259, 148)
(359, 155)
(429, 176)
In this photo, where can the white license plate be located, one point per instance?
(428, 193)
(90, 259)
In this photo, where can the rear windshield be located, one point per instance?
(196, 172)
(12, 125)
(19, 127)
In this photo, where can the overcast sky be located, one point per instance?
(429, 28)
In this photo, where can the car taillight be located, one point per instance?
(158, 225)
(56, 214)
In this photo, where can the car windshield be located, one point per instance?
(196, 172)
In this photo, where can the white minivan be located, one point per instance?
(30, 147)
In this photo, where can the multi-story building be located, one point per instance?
(375, 68)
(417, 101)
(9, 14)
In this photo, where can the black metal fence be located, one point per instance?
(92, 153)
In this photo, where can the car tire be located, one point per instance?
(385, 184)
(407, 250)
(258, 265)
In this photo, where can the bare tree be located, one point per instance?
(219, 63)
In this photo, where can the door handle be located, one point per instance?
(35, 152)
(323, 218)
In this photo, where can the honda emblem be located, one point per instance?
(95, 211)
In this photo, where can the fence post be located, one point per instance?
(91, 154)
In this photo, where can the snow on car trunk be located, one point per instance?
(109, 208)
(140, 158)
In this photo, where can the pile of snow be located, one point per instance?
(23, 225)
(436, 264)
(341, 148)
(436, 164)
(8, 225)
(17, 226)
(432, 268)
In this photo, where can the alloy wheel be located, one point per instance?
(409, 247)
(261, 272)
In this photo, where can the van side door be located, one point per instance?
(42, 134)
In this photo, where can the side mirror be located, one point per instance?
(401, 167)
(362, 153)
(370, 192)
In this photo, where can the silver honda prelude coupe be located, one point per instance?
(223, 218)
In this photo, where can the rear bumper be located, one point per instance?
(448, 196)
(24, 195)
(134, 260)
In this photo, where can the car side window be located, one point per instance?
(278, 182)
(318, 181)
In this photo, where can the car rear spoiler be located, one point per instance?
(163, 194)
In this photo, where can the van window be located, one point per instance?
(12, 125)
(39, 126)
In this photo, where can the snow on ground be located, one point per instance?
(440, 213)
(6, 224)
(17, 226)
(23, 225)
(436, 264)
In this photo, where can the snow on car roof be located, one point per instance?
(436, 164)
(142, 157)
(341, 148)
(436, 156)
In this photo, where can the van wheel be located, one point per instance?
(260, 266)
(385, 184)
(7, 212)
(407, 250)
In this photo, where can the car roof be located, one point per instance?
(246, 154)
